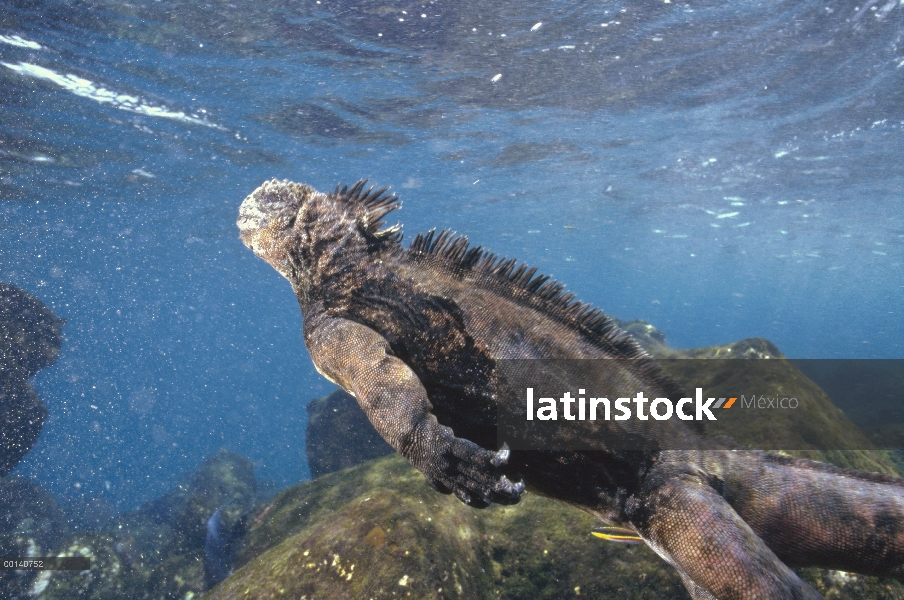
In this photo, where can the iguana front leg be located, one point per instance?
(357, 358)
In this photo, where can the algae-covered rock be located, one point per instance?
(650, 339)
(378, 531)
(755, 367)
(838, 585)
(339, 435)
(224, 477)
(109, 578)
(30, 518)
(817, 429)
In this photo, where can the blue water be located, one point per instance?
(721, 171)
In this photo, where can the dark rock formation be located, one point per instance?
(30, 334)
(339, 435)
(22, 416)
(29, 341)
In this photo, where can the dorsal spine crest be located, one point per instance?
(374, 205)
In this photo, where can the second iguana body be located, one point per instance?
(416, 335)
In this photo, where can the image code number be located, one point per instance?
(45, 563)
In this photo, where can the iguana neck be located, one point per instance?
(330, 256)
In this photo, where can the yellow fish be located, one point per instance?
(617, 534)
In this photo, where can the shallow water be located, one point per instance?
(721, 171)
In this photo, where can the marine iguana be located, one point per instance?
(416, 335)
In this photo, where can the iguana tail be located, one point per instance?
(812, 514)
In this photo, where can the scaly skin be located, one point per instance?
(416, 335)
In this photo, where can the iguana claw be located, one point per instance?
(471, 473)
(502, 456)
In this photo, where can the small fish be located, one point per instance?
(617, 534)
(221, 544)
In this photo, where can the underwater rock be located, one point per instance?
(377, 531)
(650, 339)
(110, 576)
(158, 550)
(22, 415)
(30, 340)
(822, 432)
(30, 518)
(31, 524)
(823, 426)
(222, 542)
(223, 477)
(339, 435)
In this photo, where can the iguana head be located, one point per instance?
(267, 220)
(307, 235)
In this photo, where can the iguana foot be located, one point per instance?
(472, 473)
